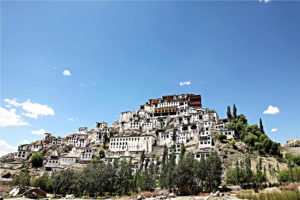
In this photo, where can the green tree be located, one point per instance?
(185, 173)
(261, 127)
(101, 153)
(222, 137)
(182, 151)
(234, 112)
(43, 182)
(22, 179)
(229, 116)
(214, 171)
(37, 160)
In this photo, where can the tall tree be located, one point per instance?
(261, 127)
(229, 116)
(142, 160)
(234, 111)
(182, 151)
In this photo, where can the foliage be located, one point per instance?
(37, 160)
(295, 159)
(242, 174)
(222, 137)
(23, 179)
(289, 175)
(101, 153)
(253, 135)
(147, 180)
(43, 182)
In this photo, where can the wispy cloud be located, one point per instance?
(10, 118)
(71, 119)
(66, 72)
(38, 132)
(25, 141)
(272, 110)
(264, 1)
(5, 148)
(183, 83)
(33, 109)
(273, 129)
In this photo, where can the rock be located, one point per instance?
(70, 196)
(147, 194)
(35, 193)
(140, 197)
(172, 195)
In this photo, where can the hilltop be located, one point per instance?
(173, 121)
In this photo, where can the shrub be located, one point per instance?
(37, 160)
(23, 179)
(43, 182)
(101, 153)
(222, 137)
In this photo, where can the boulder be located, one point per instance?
(35, 193)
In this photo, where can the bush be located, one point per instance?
(37, 160)
(289, 175)
(101, 153)
(293, 158)
(222, 137)
(23, 179)
(43, 182)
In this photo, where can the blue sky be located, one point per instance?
(119, 54)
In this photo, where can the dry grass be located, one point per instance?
(286, 195)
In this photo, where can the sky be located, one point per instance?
(69, 64)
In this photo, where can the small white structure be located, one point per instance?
(87, 154)
(24, 151)
(82, 130)
(102, 126)
(78, 140)
(110, 160)
(201, 154)
(131, 143)
(38, 146)
(57, 141)
(53, 164)
(70, 158)
(205, 141)
(228, 133)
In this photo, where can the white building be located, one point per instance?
(201, 154)
(82, 130)
(78, 140)
(131, 143)
(24, 151)
(70, 158)
(103, 126)
(53, 164)
(110, 160)
(205, 141)
(87, 154)
(57, 141)
(228, 133)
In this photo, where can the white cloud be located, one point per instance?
(273, 129)
(33, 109)
(264, 1)
(183, 83)
(25, 141)
(5, 148)
(8, 106)
(12, 102)
(10, 118)
(38, 132)
(272, 110)
(66, 73)
(71, 119)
